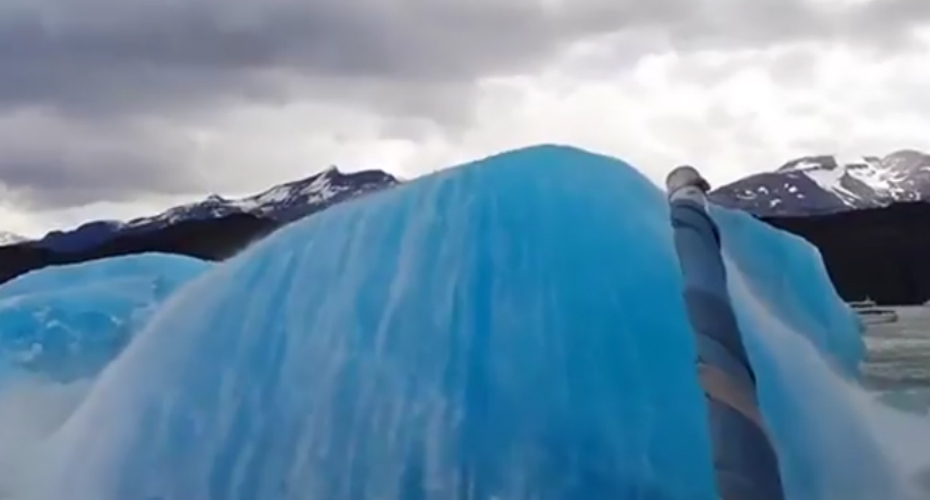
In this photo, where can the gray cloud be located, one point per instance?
(104, 54)
(143, 54)
(98, 68)
(54, 163)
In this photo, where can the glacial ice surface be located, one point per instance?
(68, 322)
(512, 328)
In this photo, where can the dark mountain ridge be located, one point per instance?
(869, 220)
(816, 185)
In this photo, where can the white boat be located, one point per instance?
(860, 304)
(875, 316)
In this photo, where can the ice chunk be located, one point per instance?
(68, 322)
(788, 275)
(509, 329)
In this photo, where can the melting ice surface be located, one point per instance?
(58, 328)
(508, 329)
(68, 322)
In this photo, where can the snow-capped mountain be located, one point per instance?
(824, 184)
(283, 203)
(7, 238)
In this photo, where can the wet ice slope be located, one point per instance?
(508, 329)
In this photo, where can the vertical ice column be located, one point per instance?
(744, 459)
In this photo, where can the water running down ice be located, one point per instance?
(509, 329)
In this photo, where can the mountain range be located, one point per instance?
(817, 185)
(813, 185)
(867, 216)
(283, 203)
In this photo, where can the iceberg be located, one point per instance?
(512, 328)
(787, 274)
(66, 323)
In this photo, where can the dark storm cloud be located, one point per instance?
(45, 180)
(132, 53)
(105, 54)
(98, 65)
(55, 163)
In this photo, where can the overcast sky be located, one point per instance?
(117, 108)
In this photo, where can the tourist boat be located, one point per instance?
(860, 304)
(875, 316)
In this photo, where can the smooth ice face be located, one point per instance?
(510, 329)
(787, 275)
(805, 344)
(68, 322)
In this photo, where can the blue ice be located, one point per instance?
(68, 322)
(805, 344)
(507, 329)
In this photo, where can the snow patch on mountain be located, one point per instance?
(824, 184)
(314, 190)
(283, 203)
(832, 180)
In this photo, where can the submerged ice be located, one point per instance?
(508, 329)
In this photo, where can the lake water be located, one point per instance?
(898, 361)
